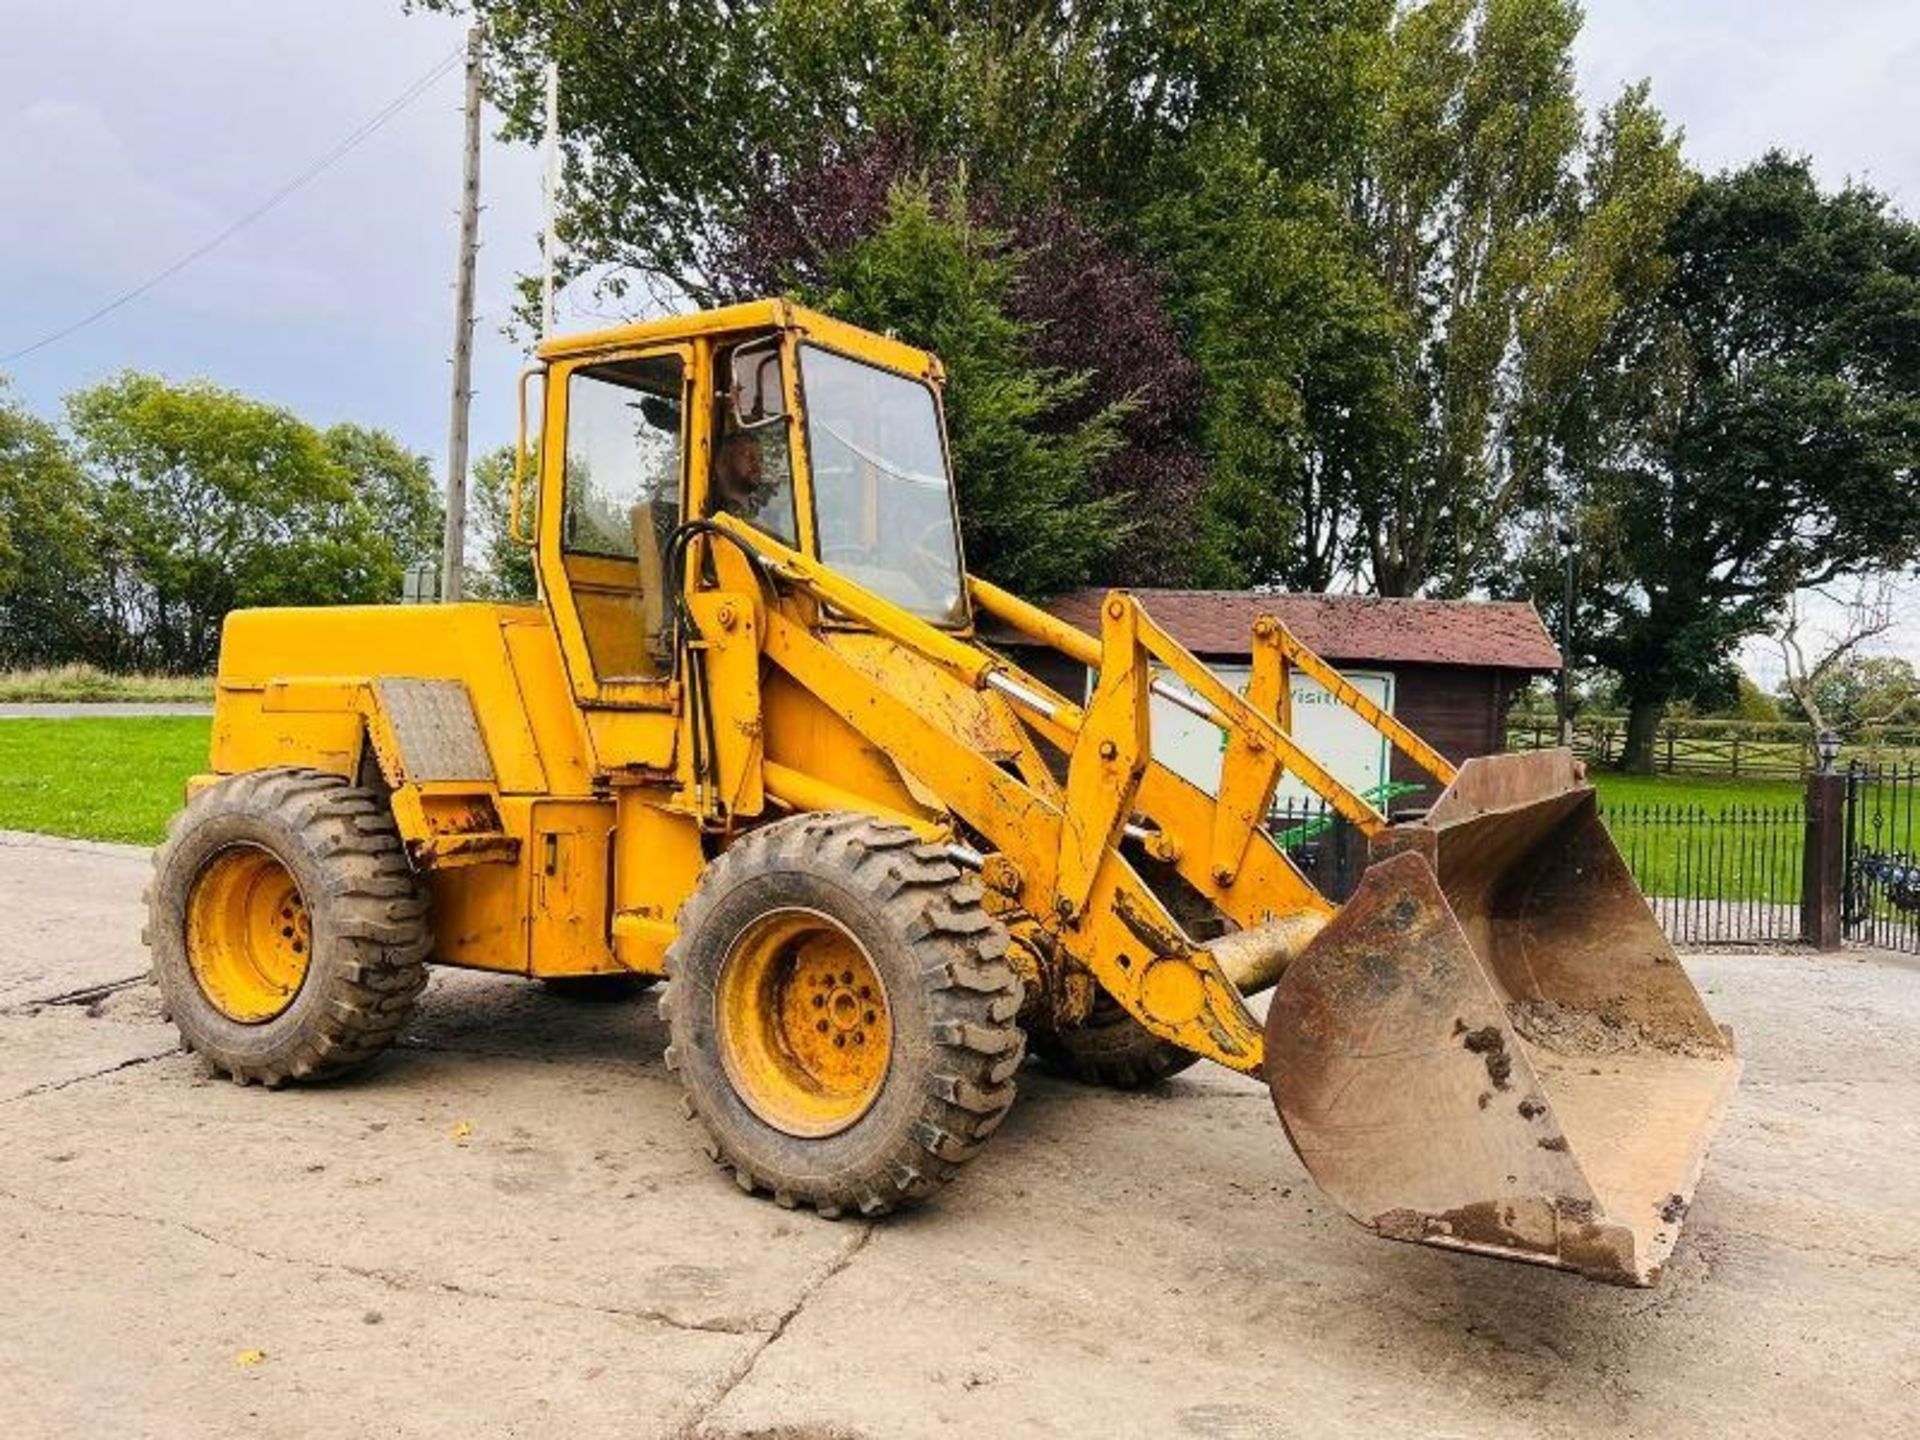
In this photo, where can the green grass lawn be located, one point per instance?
(98, 779)
(1733, 840)
(1618, 790)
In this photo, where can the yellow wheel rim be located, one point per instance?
(248, 935)
(802, 1022)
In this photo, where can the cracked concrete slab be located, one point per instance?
(72, 916)
(134, 1329)
(514, 1195)
(526, 1178)
(1177, 1275)
(56, 1046)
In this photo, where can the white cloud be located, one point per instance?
(1831, 80)
(83, 208)
(130, 134)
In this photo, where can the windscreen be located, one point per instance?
(883, 503)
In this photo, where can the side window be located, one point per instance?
(624, 467)
(623, 451)
(752, 465)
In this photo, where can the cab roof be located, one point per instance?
(750, 317)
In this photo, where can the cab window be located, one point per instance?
(882, 497)
(752, 475)
(625, 463)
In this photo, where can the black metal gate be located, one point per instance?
(1882, 901)
(1717, 874)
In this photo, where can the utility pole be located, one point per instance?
(550, 241)
(453, 552)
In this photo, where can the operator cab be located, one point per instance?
(824, 438)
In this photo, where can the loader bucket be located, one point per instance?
(1493, 1047)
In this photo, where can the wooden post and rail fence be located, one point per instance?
(1714, 749)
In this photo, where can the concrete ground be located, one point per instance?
(505, 1229)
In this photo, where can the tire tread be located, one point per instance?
(379, 920)
(974, 994)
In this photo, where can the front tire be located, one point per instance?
(288, 933)
(841, 1014)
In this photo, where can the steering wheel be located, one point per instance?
(843, 550)
(931, 562)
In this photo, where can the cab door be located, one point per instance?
(614, 486)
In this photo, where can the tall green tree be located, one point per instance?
(1507, 237)
(1083, 306)
(1389, 235)
(1029, 516)
(49, 573)
(1752, 429)
(204, 500)
(396, 484)
(1297, 345)
(678, 116)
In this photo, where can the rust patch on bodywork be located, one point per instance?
(1157, 939)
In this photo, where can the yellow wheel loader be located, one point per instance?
(750, 745)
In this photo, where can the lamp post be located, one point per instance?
(1827, 746)
(1566, 538)
(1823, 885)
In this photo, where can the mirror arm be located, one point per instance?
(520, 460)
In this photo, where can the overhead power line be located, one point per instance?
(299, 182)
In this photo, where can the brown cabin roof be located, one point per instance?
(1495, 634)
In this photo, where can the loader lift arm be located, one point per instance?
(1061, 851)
(1391, 1044)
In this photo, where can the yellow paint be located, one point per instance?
(619, 765)
(248, 934)
(1108, 759)
(1250, 768)
(570, 906)
(802, 1021)
(656, 864)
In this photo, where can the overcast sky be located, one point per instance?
(132, 133)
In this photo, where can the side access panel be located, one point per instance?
(480, 911)
(549, 914)
(570, 872)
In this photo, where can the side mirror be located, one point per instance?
(755, 393)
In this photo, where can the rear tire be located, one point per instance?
(1110, 1049)
(842, 1014)
(288, 933)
